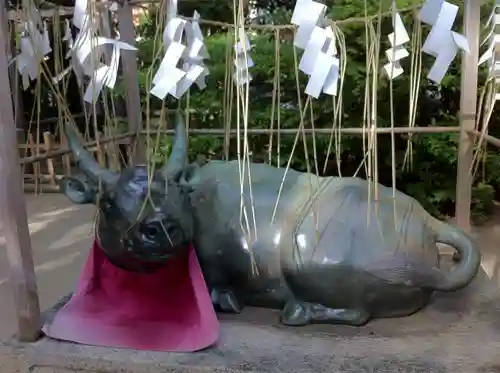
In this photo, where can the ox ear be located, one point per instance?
(200, 192)
(189, 177)
(203, 197)
(78, 190)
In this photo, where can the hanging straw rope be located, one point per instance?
(306, 109)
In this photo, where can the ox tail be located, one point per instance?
(469, 258)
(404, 268)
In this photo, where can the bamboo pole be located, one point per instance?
(488, 138)
(33, 153)
(129, 64)
(258, 131)
(42, 188)
(61, 152)
(101, 155)
(468, 111)
(47, 139)
(66, 159)
(317, 131)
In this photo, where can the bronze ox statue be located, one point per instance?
(327, 253)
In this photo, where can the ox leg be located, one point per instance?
(225, 300)
(297, 313)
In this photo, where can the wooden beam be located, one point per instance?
(130, 73)
(309, 131)
(18, 15)
(60, 152)
(488, 138)
(468, 112)
(41, 188)
(13, 217)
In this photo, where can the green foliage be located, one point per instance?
(431, 177)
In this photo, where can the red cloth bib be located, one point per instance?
(168, 310)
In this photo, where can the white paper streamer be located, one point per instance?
(87, 51)
(170, 79)
(113, 6)
(68, 37)
(492, 54)
(45, 43)
(324, 77)
(397, 51)
(105, 75)
(196, 52)
(173, 31)
(171, 10)
(319, 59)
(307, 14)
(81, 16)
(34, 45)
(80, 46)
(441, 42)
(168, 75)
(242, 60)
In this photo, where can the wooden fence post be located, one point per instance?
(49, 147)
(13, 217)
(10, 40)
(129, 63)
(468, 103)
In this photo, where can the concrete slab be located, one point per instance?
(458, 333)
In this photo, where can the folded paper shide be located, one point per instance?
(492, 53)
(181, 65)
(34, 45)
(319, 59)
(68, 37)
(242, 60)
(88, 49)
(441, 43)
(168, 74)
(398, 38)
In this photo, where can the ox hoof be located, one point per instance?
(296, 314)
(225, 301)
(302, 313)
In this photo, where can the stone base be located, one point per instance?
(458, 333)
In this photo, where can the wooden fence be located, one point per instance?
(44, 163)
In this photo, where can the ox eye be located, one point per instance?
(151, 231)
(106, 205)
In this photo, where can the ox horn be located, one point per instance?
(85, 160)
(178, 157)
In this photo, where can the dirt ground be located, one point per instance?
(62, 234)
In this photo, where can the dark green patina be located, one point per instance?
(331, 254)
